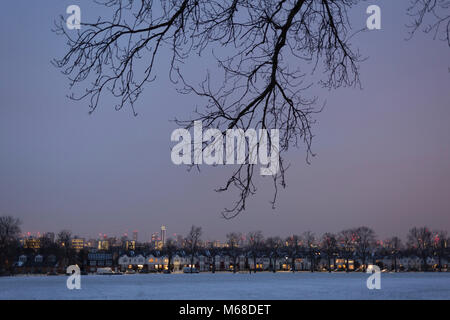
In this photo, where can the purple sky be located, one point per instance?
(383, 153)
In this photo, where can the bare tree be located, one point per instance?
(440, 246)
(432, 17)
(212, 251)
(364, 243)
(255, 245)
(9, 234)
(64, 241)
(234, 240)
(329, 247)
(273, 247)
(309, 242)
(192, 241)
(170, 249)
(293, 249)
(63, 238)
(274, 51)
(420, 241)
(394, 246)
(346, 243)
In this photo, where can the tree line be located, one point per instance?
(358, 244)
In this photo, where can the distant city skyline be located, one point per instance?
(100, 235)
(176, 236)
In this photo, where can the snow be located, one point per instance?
(283, 285)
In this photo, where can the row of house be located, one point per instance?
(36, 264)
(412, 263)
(225, 263)
(220, 262)
(98, 259)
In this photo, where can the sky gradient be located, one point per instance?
(383, 152)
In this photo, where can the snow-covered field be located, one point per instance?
(230, 286)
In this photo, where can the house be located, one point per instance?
(35, 264)
(99, 259)
(138, 261)
(124, 261)
(178, 262)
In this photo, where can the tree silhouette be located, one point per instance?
(274, 246)
(9, 235)
(309, 242)
(364, 243)
(420, 241)
(329, 248)
(269, 54)
(432, 17)
(346, 245)
(393, 247)
(170, 249)
(293, 249)
(192, 243)
(234, 241)
(255, 246)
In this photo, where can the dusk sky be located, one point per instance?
(383, 151)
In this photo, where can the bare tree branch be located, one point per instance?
(281, 48)
(433, 16)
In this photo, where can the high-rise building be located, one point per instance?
(103, 244)
(154, 240)
(163, 235)
(135, 235)
(78, 243)
(32, 243)
(130, 245)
